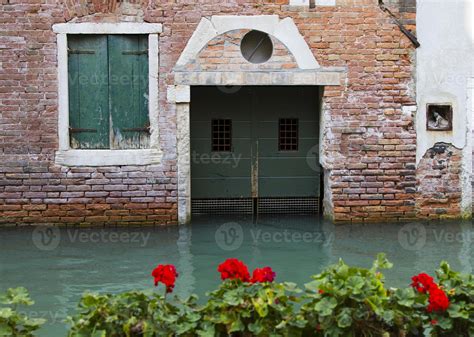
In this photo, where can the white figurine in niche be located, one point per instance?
(438, 122)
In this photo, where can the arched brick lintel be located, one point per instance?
(284, 30)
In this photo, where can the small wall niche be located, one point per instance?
(439, 117)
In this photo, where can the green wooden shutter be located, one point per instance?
(88, 92)
(128, 91)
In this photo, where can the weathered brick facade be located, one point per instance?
(369, 135)
(439, 184)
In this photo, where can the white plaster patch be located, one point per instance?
(108, 157)
(409, 110)
(443, 62)
(325, 2)
(179, 94)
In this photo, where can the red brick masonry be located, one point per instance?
(370, 142)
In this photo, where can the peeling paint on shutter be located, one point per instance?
(88, 92)
(128, 91)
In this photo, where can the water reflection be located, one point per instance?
(295, 247)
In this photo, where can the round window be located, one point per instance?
(256, 47)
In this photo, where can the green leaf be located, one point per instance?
(381, 263)
(260, 306)
(34, 322)
(313, 285)
(99, 333)
(6, 313)
(355, 283)
(405, 297)
(342, 270)
(236, 325)
(344, 319)
(5, 330)
(256, 328)
(325, 306)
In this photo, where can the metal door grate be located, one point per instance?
(305, 205)
(222, 206)
(280, 205)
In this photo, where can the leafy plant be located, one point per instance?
(134, 313)
(340, 301)
(252, 309)
(458, 320)
(12, 322)
(348, 301)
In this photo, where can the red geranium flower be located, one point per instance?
(265, 274)
(422, 283)
(165, 274)
(438, 301)
(234, 269)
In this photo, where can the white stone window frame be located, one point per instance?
(108, 157)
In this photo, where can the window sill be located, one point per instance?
(136, 157)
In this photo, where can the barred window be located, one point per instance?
(222, 135)
(288, 134)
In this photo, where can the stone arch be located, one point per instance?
(283, 30)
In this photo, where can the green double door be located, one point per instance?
(254, 142)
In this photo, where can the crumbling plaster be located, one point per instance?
(444, 67)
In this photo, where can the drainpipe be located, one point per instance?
(395, 20)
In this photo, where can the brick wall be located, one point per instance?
(439, 183)
(223, 54)
(369, 140)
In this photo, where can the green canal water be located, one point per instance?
(58, 265)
